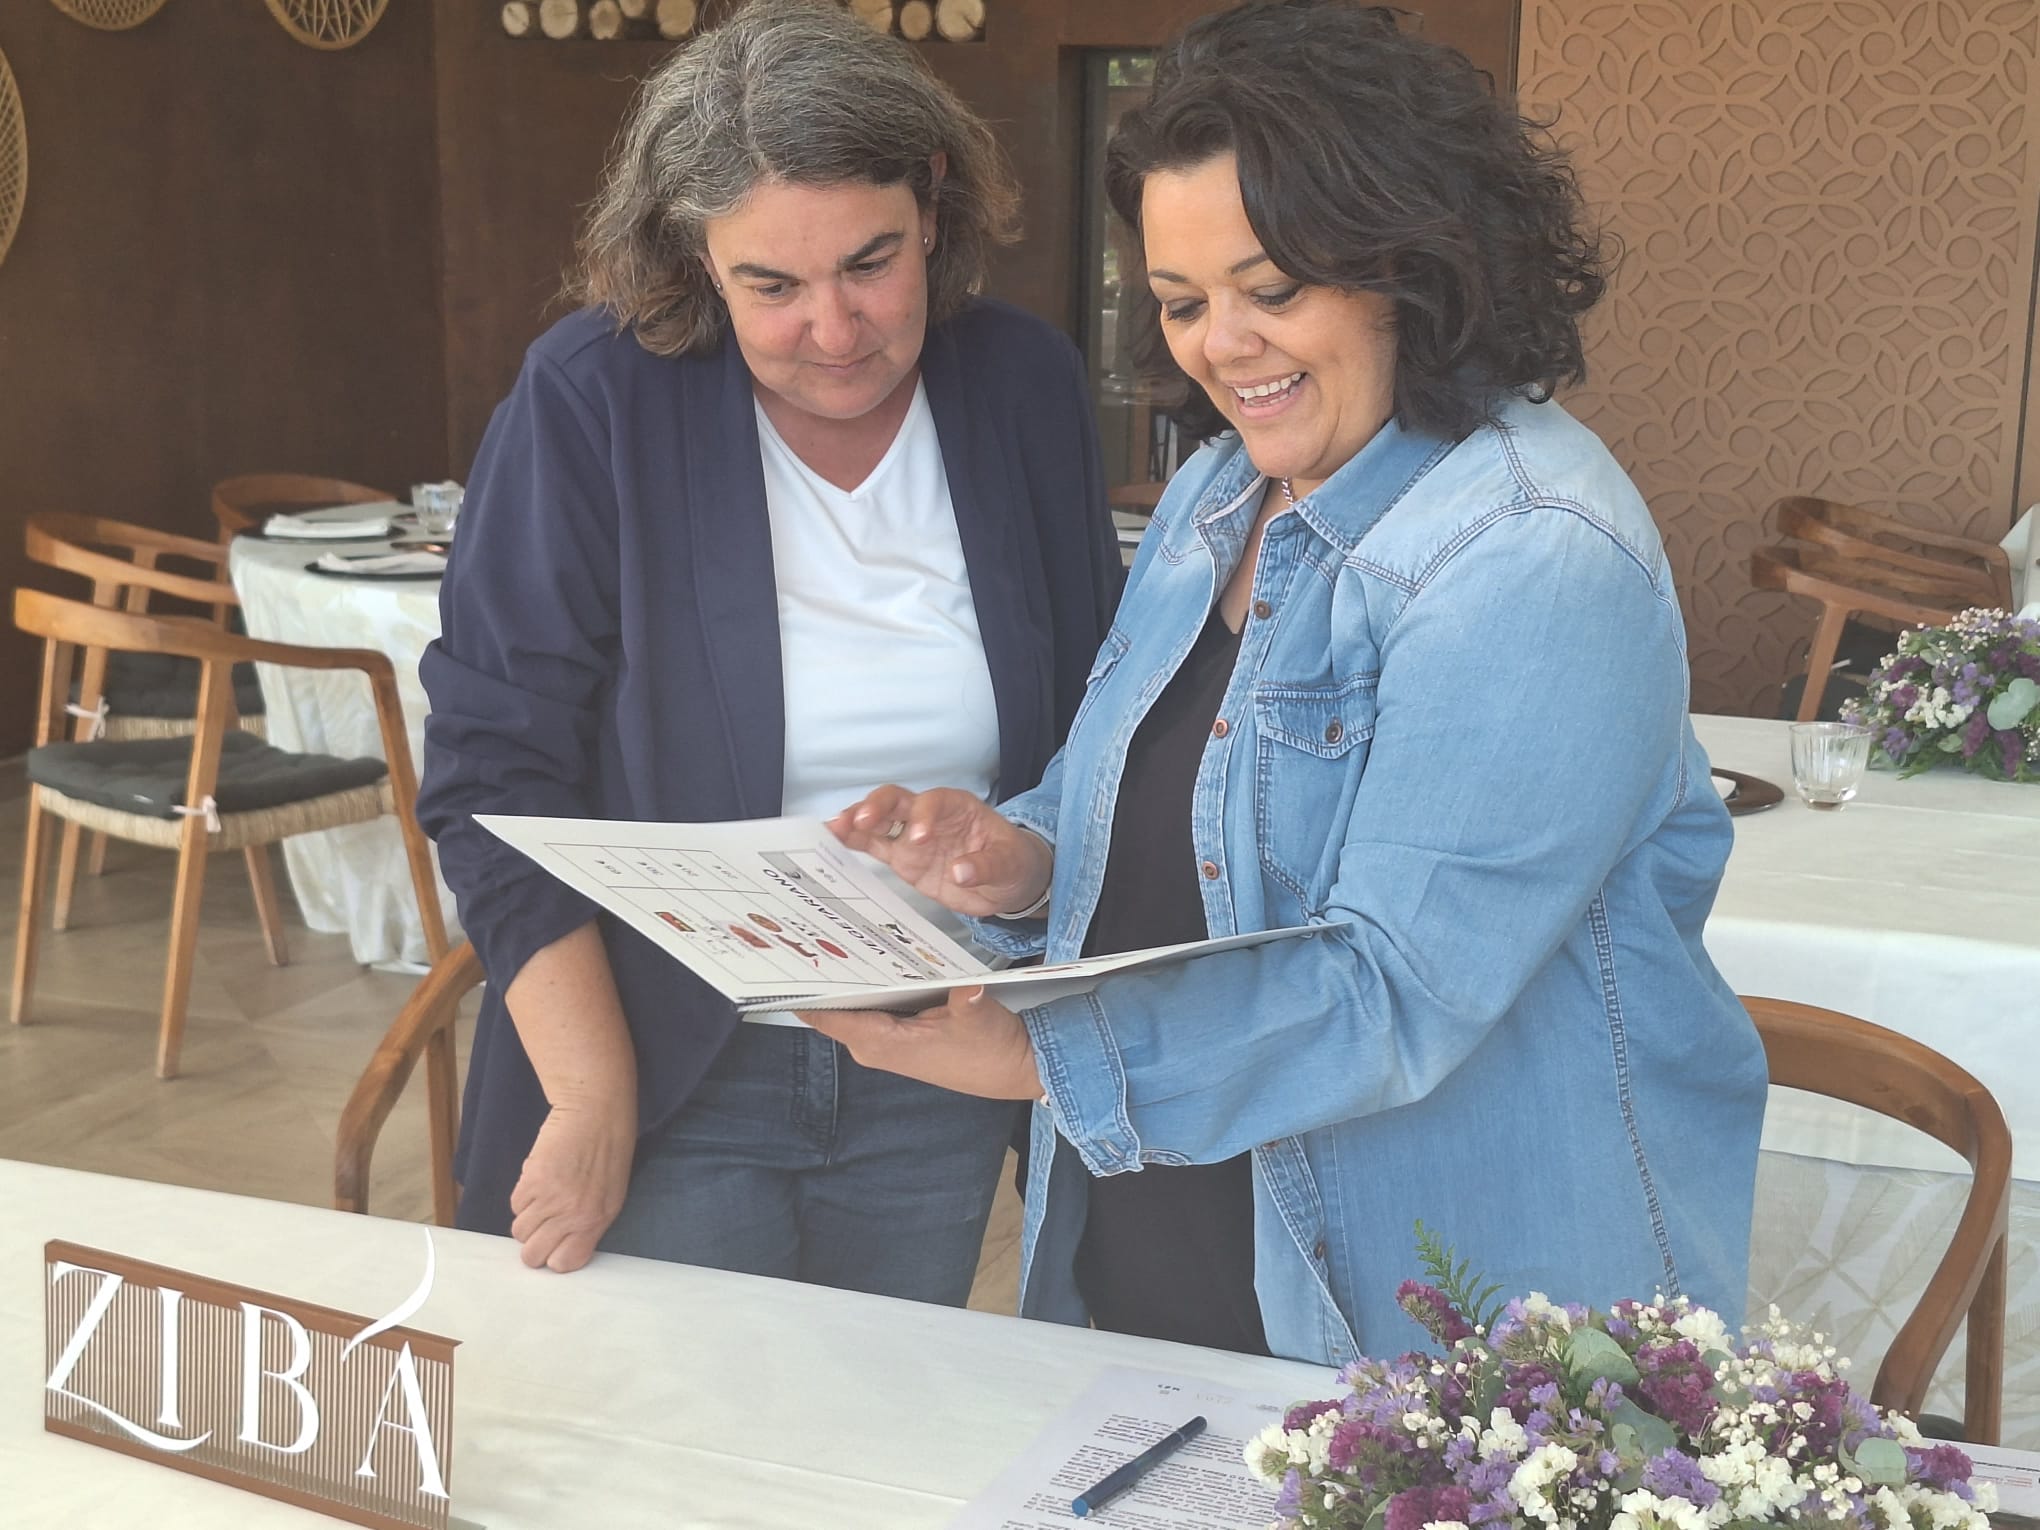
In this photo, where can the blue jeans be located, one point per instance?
(791, 1160)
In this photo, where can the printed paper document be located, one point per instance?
(1203, 1486)
(775, 914)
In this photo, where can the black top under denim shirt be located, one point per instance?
(1168, 1252)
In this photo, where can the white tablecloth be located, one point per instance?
(1917, 906)
(353, 880)
(628, 1394)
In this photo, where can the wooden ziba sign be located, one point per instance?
(342, 1414)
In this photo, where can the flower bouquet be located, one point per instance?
(1968, 693)
(1646, 1417)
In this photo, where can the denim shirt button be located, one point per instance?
(1318, 1253)
(1220, 728)
(1210, 870)
(1263, 610)
(1334, 731)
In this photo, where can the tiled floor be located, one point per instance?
(270, 1053)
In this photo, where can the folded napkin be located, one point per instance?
(339, 522)
(383, 563)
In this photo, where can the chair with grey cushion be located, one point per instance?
(218, 789)
(142, 695)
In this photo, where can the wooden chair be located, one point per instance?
(1857, 562)
(1843, 1058)
(1976, 571)
(190, 821)
(424, 1026)
(1135, 496)
(243, 502)
(115, 558)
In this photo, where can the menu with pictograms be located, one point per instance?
(775, 914)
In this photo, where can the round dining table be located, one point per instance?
(351, 880)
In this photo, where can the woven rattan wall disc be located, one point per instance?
(328, 23)
(13, 158)
(109, 15)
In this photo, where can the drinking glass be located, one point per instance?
(1828, 761)
(437, 505)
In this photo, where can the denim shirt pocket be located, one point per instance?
(1311, 748)
(1110, 652)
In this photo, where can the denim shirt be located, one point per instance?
(1456, 739)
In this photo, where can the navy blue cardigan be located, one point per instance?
(610, 646)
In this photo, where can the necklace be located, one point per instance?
(1288, 494)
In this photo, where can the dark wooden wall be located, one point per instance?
(239, 253)
(227, 260)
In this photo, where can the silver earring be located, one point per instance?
(927, 241)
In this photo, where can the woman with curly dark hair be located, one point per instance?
(1400, 658)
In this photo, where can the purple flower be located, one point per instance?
(1305, 1413)
(1944, 1468)
(1437, 1316)
(1523, 1384)
(1974, 732)
(1829, 1398)
(1414, 1508)
(1675, 1385)
(1379, 1444)
(1673, 1474)
(2012, 747)
(1290, 1498)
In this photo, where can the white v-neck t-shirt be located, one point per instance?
(884, 668)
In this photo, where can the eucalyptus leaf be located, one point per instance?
(2009, 707)
(1378, 1518)
(1592, 1356)
(1881, 1462)
(1653, 1435)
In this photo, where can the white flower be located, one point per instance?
(1944, 1510)
(1647, 1510)
(1444, 1524)
(1503, 1436)
(1544, 1466)
(1754, 1484)
(1267, 1453)
(1705, 1328)
(1541, 1307)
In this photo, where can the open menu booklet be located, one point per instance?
(775, 914)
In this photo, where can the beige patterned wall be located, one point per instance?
(1828, 209)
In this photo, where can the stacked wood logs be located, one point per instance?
(671, 20)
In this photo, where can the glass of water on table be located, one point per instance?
(437, 506)
(1828, 761)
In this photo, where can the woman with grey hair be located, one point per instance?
(785, 511)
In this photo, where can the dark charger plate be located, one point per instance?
(1752, 794)
(365, 573)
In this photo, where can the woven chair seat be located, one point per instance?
(360, 804)
(142, 780)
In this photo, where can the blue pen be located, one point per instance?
(1109, 1487)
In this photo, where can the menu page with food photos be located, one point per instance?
(775, 914)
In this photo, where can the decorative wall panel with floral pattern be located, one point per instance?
(1828, 209)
